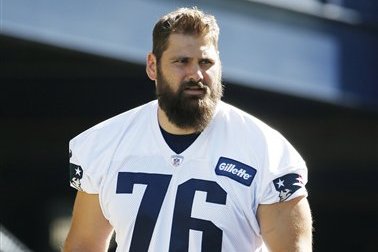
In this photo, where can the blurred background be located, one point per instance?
(306, 67)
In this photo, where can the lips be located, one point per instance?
(196, 90)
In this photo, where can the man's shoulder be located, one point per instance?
(112, 126)
(232, 112)
(242, 121)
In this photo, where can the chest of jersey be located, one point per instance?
(153, 202)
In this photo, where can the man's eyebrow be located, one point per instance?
(184, 57)
(208, 58)
(179, 57)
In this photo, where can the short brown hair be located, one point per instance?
(189, 21)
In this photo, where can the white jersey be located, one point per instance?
(204, 199)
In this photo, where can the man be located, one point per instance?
(187, 172)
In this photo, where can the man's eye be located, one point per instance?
(206, 62)
(182, 60)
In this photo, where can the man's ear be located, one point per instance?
(151, 66)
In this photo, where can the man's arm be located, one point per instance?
(286, 226)
(89, 231)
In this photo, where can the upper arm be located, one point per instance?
(286, 226)
(90, 230)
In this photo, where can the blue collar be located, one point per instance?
(178, 143)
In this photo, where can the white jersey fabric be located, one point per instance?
(204, 199)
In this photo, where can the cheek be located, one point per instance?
(174, 75)
(212, 76)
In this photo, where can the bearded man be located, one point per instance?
(187, 172)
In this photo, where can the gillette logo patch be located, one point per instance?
(235, 170)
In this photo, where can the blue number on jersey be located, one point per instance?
(157, 186)
(183, 222)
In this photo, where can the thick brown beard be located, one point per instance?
(187, 112)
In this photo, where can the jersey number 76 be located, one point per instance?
(182, 222)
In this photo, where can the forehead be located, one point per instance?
(190, 46)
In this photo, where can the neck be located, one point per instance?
(171, 127)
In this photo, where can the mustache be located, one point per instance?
(191, 83)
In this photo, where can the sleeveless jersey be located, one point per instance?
(204, 199)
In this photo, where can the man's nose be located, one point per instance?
(195, 73)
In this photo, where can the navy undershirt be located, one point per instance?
(178, 143)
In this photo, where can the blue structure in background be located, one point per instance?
(305, 48)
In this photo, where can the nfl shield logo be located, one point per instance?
(176, 160)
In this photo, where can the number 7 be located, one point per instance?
(157, 186)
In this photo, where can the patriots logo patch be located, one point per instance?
(287, 185)
(76, 173)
